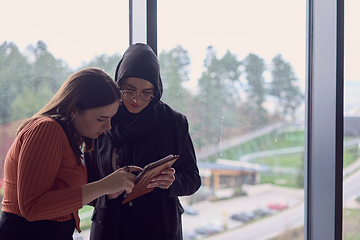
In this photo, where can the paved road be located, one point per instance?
(268, 227)
(288, 219)
(261, 229)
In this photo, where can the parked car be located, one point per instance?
(190, 235)
(215, 225)
(190, 210)
(277, 205)
(204, 230)
(262, 212)
(204, 193)
(210, 227)
(244, 216)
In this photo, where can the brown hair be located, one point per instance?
(85, 89)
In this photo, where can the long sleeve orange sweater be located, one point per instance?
(42, 176)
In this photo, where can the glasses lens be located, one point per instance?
(146, 96)
(128, 93)
(131, 94)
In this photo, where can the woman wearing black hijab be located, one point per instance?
(144, 130)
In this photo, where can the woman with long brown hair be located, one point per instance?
(45, 178)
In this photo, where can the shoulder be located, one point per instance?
(43, 125)
(172, 120)
(169, 112)
(44, 122)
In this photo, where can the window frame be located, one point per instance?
(142, 28)
(324, 119)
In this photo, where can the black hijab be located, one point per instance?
(138, 61)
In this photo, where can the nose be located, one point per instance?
(136, 98)
(107, 124)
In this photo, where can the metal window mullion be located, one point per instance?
(152, 24)
(324, 120)
(137, 21)
(143, 22)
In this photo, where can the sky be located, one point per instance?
(74, 30)
(77, 30)
(262, 27)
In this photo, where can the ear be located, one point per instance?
(73, 112)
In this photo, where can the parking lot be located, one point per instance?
(213, 216)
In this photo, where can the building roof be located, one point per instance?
(224, 164)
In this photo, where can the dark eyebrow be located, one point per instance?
(146, 89)
(103, 116)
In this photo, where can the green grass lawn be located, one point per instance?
(279, 140)
(85, 217)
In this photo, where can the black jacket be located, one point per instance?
(155, 215)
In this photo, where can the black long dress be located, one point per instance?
(139, 139)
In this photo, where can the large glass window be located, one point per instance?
(351, 190)
(240, 65)
(237, 70)
(42, 43)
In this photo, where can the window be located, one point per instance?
(196, 41)
(351, 122)
(42, 43)
(237, 70)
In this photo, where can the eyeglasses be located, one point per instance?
(147, 97)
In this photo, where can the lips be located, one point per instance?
(134, 105)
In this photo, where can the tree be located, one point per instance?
(174, 67)
(105, 62)
(283, 86)
(29, 102)
(14, 68)
(218, 98)
(45, 68)
(254, 69)
(44, 77)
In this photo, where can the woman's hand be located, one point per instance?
(128, 178)
(114, 184)
(120, 180)
(164, 180)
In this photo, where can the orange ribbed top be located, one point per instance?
(42, 176)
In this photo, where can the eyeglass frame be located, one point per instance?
(136, 93)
